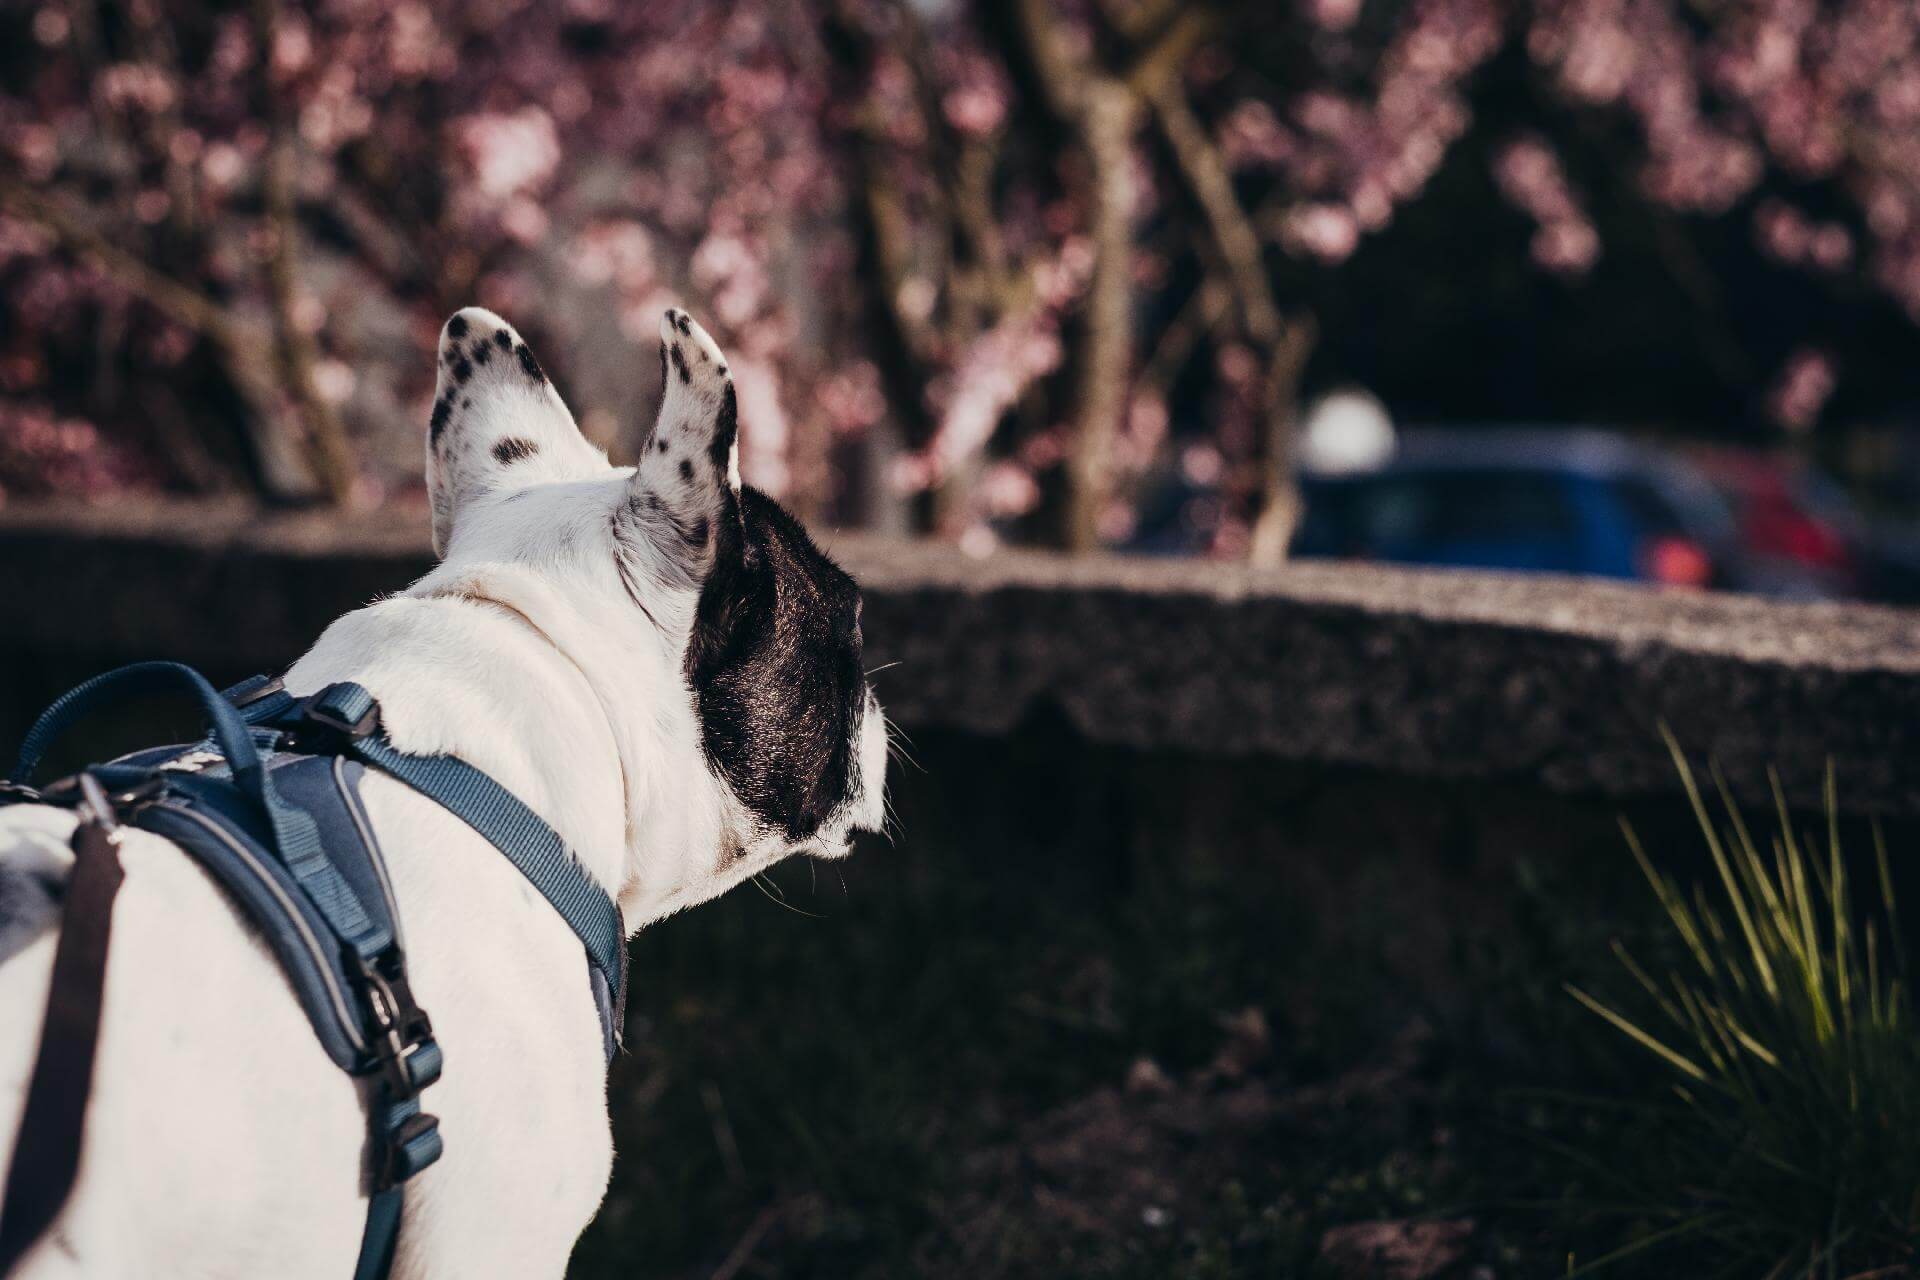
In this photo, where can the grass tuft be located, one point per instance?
(1791, 1146)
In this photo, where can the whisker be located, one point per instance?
(886, 666)
(898, 743)
(782, 902)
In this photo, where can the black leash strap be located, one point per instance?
(46, 1155)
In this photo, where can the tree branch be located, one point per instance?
(181, 302)
(1285, 345)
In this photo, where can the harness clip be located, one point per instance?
(402, 1034)
(316, 710)
(408, 1149)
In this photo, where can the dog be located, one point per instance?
(656, 659)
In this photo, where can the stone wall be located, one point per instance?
(1538, 682)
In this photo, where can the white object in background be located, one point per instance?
(1346, 431)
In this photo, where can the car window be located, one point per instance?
(1486, 517)
(1653, 515)
(1470, 506)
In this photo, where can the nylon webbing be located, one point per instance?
(499, 816)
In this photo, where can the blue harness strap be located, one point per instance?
(350, 713)
(276, 818)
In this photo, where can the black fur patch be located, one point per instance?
(661, 446)
(774, 664)
(529, 364)
(513, 449)
(442, 409)
(462, 370)
(679, 362)
(503, 339)
(686, 469)
(457, 327)
(482, 353)
(729, 427)
(683, 324)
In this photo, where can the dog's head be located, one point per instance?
(721, 642)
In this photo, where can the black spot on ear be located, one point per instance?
(529, 364)
(661, 445)
(663, 366)
(503, 339)
(457, 327)
(462, 370)
(722, 371)
(513, 449)
(774, 664)
(686, 469)
(683, 324)
(482, 353)
(466, 402)
(727, 428)
(679, 362)
(442, 409)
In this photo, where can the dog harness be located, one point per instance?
(269, 804)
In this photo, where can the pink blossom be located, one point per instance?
(1328, 232)
(510, 153)
(1333, 15)
(1801, 389)
(1530, 177)
(1008, 489)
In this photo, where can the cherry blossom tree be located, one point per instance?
(996, 264)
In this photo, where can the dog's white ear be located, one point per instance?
(496, 419)
(685, 489)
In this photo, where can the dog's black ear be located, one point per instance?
(684, 498)
(496, 418)
(774, 665)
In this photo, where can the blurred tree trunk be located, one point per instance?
(881, 245)
(322, 434)
(1098, 114)
(1283, 343)
(1279, 498)
(1106, 124)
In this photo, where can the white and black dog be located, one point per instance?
(655, 659)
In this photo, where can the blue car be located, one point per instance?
(1530, 500)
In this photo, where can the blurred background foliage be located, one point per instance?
(997, 269)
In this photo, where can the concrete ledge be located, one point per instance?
(1436, 674)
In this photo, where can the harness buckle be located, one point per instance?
(401, 1030)
(314, 710)
(408, 1149)
(248, 692)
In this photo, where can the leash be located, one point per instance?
(300, 858)
(46, 1154)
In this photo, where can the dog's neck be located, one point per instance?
(496, 667)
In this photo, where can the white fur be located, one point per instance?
(220, 1140)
